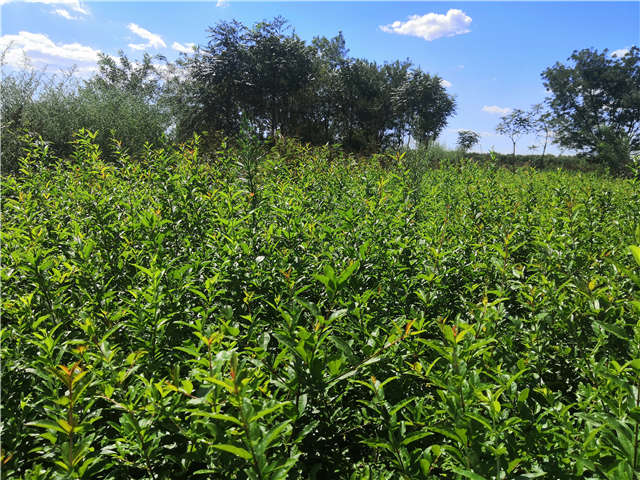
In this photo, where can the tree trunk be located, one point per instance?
(544, 148)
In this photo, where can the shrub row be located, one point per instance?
(294, 313)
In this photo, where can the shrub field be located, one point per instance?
(296, 313)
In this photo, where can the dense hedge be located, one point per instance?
(296, 314)
(567, 162)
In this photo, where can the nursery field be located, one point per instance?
(296, 313)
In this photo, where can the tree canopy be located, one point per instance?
(595, 101)
(513, 125)
(269, 76)
(467, 139)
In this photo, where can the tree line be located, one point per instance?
(266, 79)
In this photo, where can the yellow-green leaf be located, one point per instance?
(635, 251)
(65, 425)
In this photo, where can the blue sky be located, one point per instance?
(490, 54)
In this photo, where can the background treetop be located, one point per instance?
(595, 101)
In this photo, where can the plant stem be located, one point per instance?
(635, 432)
(142, 447)
(245, 424)
(70, 418)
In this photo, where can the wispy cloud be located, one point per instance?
(183, 48)
(445, 83)
(39, 48)
(222, 3)
(75, 5)
(494, 109)
(432, 25)
(65, 14)
(621, 52)
(153, 40)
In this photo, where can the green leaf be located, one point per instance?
(48, 425)
(65, 425)
(523, 395)
(416, 437)
(446, 433)
(613, 329)
(447, 331)
(399, 406)
(273, 435)
(237, 451)
(480, 419)
(338, 314)
(344, 276)
(148, 272)
(267, 411)
(302, 403)
(187, 386)
(635, 251)
(217, 416)
(513, 464)
(344, 348)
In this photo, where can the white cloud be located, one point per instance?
(41, 49)
(494, 109)
(432, 25)
(186, 48)
(222, 3)
(153, 40)
(75, 5)
(64, 13)
(445, 83)
(621, 52)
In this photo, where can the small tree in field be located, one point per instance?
(514, 125)
(467, 139)
(541, 124)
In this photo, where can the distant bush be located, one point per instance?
(436, 155)
(569, 162)
(55, 106)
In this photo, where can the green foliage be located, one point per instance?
(299, 313)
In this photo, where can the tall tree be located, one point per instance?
(221, 78)
(361, 106)
(319, 105)
(397, 75)
(595, 102)
(140, 78)
(256, 73)
(428, 106)
(281, 66)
